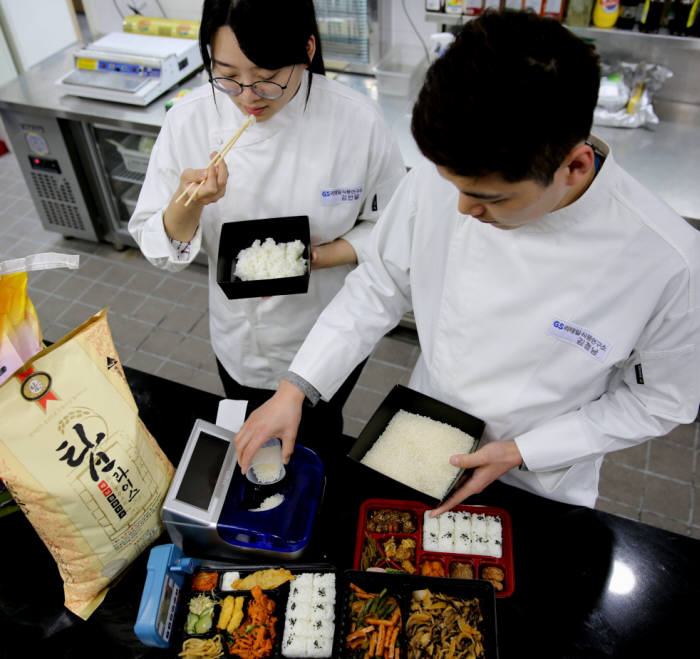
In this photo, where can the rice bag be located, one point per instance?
(20, 333)
(80, 463)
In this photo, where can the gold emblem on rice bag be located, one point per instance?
(36, 386)
(84, 468)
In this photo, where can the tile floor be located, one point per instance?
(159, 323)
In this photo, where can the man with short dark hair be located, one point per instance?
(554, 296)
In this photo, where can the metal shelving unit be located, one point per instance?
(447, 19)
(355, 33)
(590, 32)
(121, 173)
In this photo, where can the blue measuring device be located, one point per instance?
(166, 572)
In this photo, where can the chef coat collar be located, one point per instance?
(281, 121)
(588, 204)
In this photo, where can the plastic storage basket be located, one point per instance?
(401, 71)
(132, 151)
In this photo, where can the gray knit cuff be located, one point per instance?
(312, 394)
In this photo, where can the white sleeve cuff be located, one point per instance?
(558, 443)
(161, 250)
(359, 238)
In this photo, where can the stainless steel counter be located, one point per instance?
(35, 91)
(662, 157)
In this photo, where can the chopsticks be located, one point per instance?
(215, 161)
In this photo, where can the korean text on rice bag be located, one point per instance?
(79, 461)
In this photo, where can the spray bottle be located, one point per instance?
(605, 13)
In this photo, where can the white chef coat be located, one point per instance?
(333, 159)
(574, 336)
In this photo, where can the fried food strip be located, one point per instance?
(226, 611)
(265, 579)
(236, 615)
(391, 643)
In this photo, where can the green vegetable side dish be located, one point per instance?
(192, 619)
(203, 624)
(365, 610)
(201, 615)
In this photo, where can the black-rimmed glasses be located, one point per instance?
(263, 88)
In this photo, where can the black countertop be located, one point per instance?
(587, 584)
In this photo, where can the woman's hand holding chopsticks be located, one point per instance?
(192, 190)
(211, 182)
(181, 221)
(197, 189)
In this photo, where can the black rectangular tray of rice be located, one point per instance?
(236, 236)
(409, 400)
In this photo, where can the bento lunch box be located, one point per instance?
(473, 599)
(198, 584)
(455, 564)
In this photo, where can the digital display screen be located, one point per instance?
(166, 611)
(44, 164)
(203, 470)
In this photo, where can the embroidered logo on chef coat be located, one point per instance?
(341, 195)
(581, 337)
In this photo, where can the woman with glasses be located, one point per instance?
(317, 148)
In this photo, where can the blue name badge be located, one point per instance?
(166, 572)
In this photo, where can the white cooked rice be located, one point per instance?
(446, 537)
(269, 503)
(311, 607)
(494, 526)
(322, 610)
(293, 644)
(494, 530)
(463, 530)
(478, 526)
(431, 530)
(480, 541)
(301, 589)
(270, 260)
(469, 533)
(326, 580)
(321, 646)
(304, 580)
(301, 609)
(321, 627)
(415, 450)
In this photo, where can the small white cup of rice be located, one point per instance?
(266, 467)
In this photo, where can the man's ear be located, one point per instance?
(579, 162)
(311, 49)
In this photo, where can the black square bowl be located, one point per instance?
(236, 236)
(403, 398)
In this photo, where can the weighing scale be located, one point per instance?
(165, 575)
(130, 68)
(210, 507)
